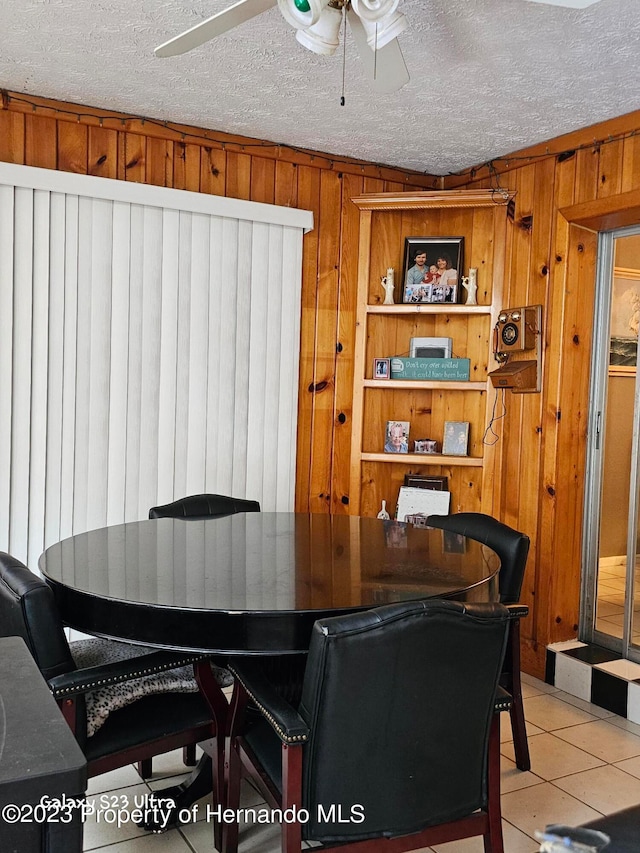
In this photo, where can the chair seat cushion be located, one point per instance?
(102, 702)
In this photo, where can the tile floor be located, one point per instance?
(585, 763)
(610, 602)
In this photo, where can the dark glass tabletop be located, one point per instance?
(253, 582)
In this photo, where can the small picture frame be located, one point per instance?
(396, 439)
(425, 445)
(426, 481)
(455, 441)
(430, 347)
(381, 368)
(431, 269)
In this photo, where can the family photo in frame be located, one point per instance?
(431, 269)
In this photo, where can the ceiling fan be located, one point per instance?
(375, 25)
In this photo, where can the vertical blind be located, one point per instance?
(149, 348)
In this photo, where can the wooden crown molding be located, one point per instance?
(437, 199)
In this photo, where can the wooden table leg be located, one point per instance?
(219, 706)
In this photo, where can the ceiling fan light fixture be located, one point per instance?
(322, 37)
(374, 10)
(381, 33)
(302, 13)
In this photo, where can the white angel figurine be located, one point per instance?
(388, 283)
(470, 285)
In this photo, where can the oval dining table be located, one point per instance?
(252, 584)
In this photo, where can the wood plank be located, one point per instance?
(238, 175)
(325, 342)
(263, 180)
(423, 460)
(610, 171)
(132, 152)
(308, 199)
(525, 514)
(535, 630)
(72, 148)
(40, 141)
(186, 166)
(345, 348)
(213, 171)
(359, 367)
(159, 167)
(564, 588)
(102, 152)
(12, 137)
(434, 200)
(587, 173)
(423, 385)
(286, 184)
(630, 164)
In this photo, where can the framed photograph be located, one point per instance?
(425, 445)
(381, 368)
(432, 268)
(456, 438)
(421, 502)
(430, 347)
(424, 481)
(396, 439)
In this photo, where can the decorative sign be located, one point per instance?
(444, 369)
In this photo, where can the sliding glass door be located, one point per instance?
(610, 611)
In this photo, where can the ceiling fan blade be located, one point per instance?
(571, 4)
(385, 68)
(214, 26)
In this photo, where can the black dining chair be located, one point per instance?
(113, 708)
(199, 507)
(396, 736)
(513, 548)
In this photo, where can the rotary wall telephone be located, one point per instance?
(517, 330)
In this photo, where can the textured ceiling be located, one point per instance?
(487, 76)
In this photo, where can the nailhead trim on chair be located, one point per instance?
(117, 679)
(269, 717)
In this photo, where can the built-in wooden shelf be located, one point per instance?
(428, 308)
(385, 220)
(423, 459)
(424, 385)
(429, 199)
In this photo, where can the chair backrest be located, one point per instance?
(199, 507)
(28, 610)
(399, 701)
(510, 545)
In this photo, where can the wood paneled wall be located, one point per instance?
(80, 139)
(566, 191)
(581, 179)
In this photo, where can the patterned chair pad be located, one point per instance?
(100, 703)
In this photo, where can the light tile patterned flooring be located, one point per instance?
(610, 602)
(585, 763)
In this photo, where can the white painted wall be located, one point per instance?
(149, 349)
